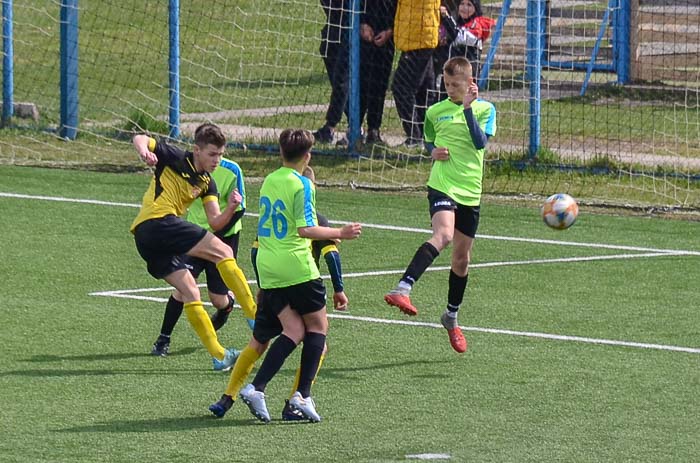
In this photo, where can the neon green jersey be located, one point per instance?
(287, 202)
(460, 176)
(227, 176)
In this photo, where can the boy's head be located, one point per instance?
(209, 134)
(209, 146)
(295, 144)
(457, 75)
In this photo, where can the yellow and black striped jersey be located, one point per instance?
(175, 184)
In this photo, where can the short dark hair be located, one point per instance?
(294, 143)
(209, 134)
(457, 65)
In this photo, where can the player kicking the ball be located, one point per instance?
(456, 131)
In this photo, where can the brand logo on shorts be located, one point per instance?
(442, 203)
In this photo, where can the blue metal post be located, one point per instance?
(7, 63)
(174, 67)
(596, 47)
(535, 38)
(354, 81)
(622, 34)
(68, 126)
(484, 74)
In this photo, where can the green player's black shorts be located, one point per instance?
(466, 217)
(162, 243)
(303, 298)
(196, 265)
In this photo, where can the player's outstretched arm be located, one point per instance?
(346, 232)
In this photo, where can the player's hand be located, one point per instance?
(440, 154)
(350, 231)
(340, 301)
(366, 32)
(235, 198)
(471, 95)
(148, 157)
(382, 38)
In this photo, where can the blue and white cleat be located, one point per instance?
(230, 357)
(220, 407)
(305, 406)
(255, 400)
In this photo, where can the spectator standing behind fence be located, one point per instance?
(416, 34)
(334, 51)
(376, 58)
(462, 33)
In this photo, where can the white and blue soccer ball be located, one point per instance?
(559, 211)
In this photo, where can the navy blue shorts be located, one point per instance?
(303, 298)
(466, 217)
(164, 241)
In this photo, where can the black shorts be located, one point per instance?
(197, 265)
(304, 298)
(466, 217)
(163, 242)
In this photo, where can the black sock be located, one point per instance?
(276, 355)
(173, 310)
(310, 359)
(424, 256)
(455, 293)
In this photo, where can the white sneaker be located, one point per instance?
(255, 400)
(305, 406)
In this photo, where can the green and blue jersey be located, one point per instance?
(287, 203)
(460, 176)
(227, 176)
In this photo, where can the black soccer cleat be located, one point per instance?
(291, 414)
(160, 348)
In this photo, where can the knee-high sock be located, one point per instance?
(310, 361)
(199, 319)
(242, 368)
(234, 278)
(173, 310)
(295, 386)
(457, 287)
(276, 355)
(422, 259)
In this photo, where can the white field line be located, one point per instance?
(650, 252)
(117, 293)
(527, 334)
(389, 227)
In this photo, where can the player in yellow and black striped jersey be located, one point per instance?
(162, 237)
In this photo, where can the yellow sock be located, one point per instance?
(233, 276)
(199, 319)
(295, 386)
(241, 369)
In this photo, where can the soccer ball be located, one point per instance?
(559, 211)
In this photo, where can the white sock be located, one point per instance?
(404, 286)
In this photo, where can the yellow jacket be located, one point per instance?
(416, 24)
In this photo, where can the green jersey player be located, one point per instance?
(456, 131)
